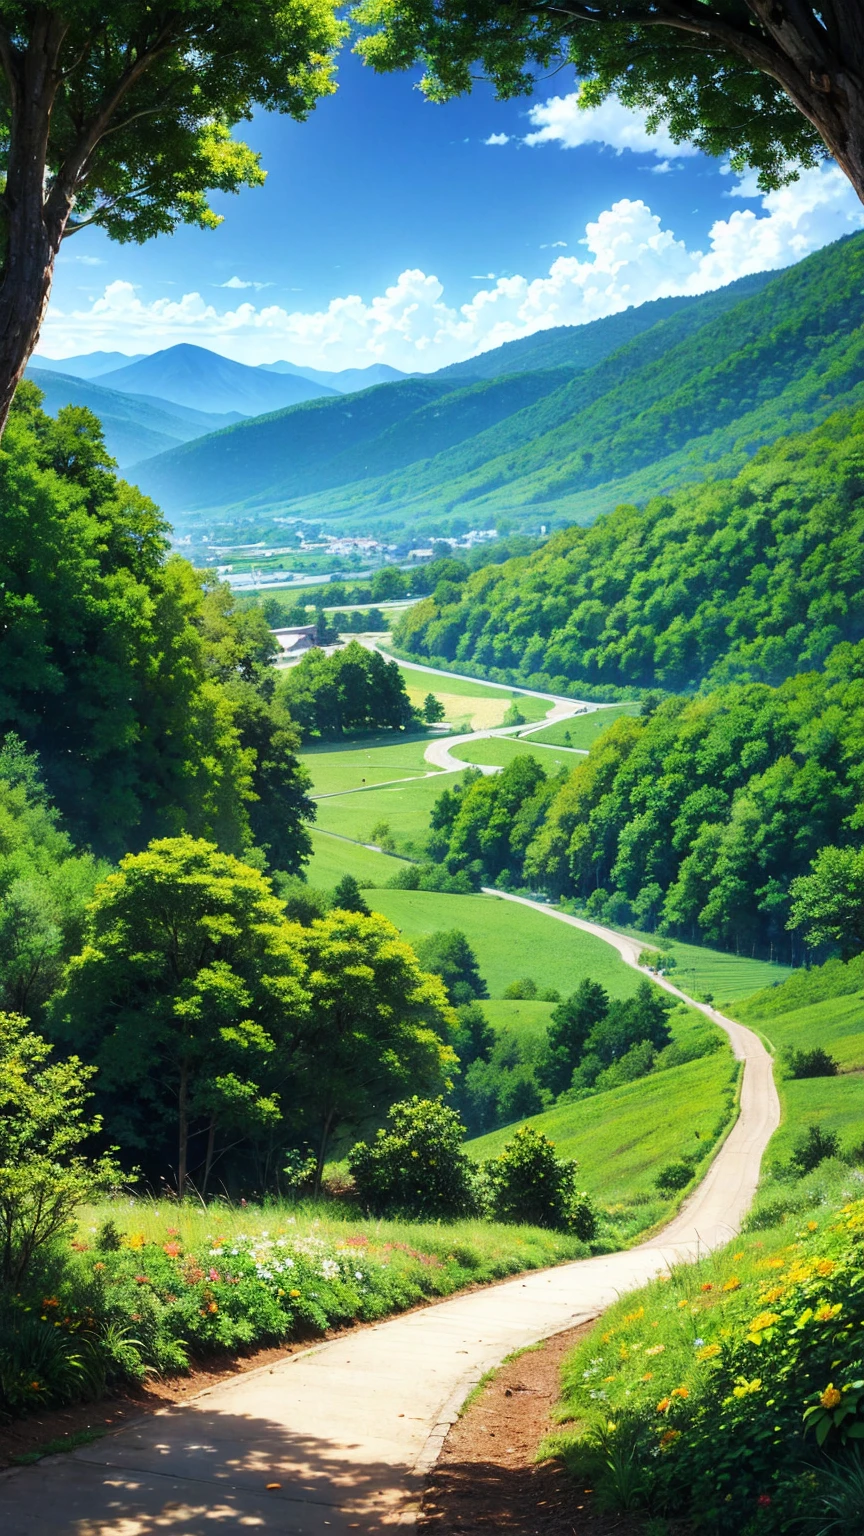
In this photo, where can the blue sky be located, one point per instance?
(390, 229)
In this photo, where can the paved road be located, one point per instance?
(349, 1428)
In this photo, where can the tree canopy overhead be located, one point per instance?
(120, 114)
(777, 86)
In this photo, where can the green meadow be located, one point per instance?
(335, 768)
(501, 750)
(622, 1138)
(583, 730)
(510, 941)
(699, 970)
(333, 857)
(526, 1019)
(405, 808)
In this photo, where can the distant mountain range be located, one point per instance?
(550, 429)
(135, 426)
(347, 380)
(88, 365)
(196, 377)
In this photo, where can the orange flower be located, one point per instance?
(825, 1267)
(668, 1436)
(664, 1405)
(680, 1392)
(173, 1250)
(707, 1286)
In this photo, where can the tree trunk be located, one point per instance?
(182, 1130)
(208, 1161)
(322, 1150)
(33, 224)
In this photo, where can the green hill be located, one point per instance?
(598, 408)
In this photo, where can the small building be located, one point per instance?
(294, 641)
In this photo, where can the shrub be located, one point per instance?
(523, 989)
(815, 1063)
(528, 1182)
(417, 1167)
(813, 1148)
(675, 1176)
(44, 1175)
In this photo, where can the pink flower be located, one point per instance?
(213, 1274)
(764, 1500)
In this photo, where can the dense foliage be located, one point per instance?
(216, 1021)
(354, 689)
(528, 1181)
(147, 697)
(417, 1166)
(695, 818)
(751, 578)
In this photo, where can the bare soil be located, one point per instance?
(487, 1476)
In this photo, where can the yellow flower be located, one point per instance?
(831, 1398)
(664, 1405)
(747, 1388)
(649, 1376)
(825, 1266)
(763, 1321)
(635, 1317)
(827, 1311)
(135, 1240)
(775, 1293)
(732, 1283)
(683, 1303)
(708, 1352)
(294, 1293)
(737, 1256)
(812, 1226)
(680, 1391)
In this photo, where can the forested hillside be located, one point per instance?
(753, 577)
(695, 818)
(697, 392)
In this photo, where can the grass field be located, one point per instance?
(405, 808)
(510, 941)
(622, 1138)
(470, 704)
(527, 1020)
(332, 858)
(501, 750)
(582, 730)
(700, 970)
(335, 767)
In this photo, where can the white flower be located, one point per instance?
(329, 1269)
(697, 1343)
(358, 1274)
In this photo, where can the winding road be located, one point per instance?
(346, 1431)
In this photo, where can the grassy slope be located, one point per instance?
(836, 1023)
(501, 750)
(404, 807)
(622, 1138)
(727, 977)
(583, 730)
(510, 941)
(527, 1020)
(336, 767)
(332, 858)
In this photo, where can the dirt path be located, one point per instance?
(340, 1437)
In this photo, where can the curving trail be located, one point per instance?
(349, 1428)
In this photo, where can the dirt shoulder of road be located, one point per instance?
(487, 1476)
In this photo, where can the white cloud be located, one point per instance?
(497, 138)
(561, 120)
(628, 258)
(237, 282)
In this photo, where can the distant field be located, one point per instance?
(834, 1103)
(727, 977)
(511, 941)
(332, 858)
(335, 767)
(582, 730)
(469, 703)
(622, 1138)
(501, 750)
(405, 808)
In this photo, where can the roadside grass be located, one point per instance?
(798, 1016)
(677, 1394)
(337, 767)
(406, 808)
(333, 857)
(623, 1137)
(470, 705)
(583, 730)
(501, 750)
(510, 941)
(700, 970)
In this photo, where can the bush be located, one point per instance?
(528, 1182)
(815, 1063)
(525, 988)
(675, 1176)
(812, 1149)
(417, 1167)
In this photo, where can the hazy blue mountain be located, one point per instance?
(89, 365)
(703, 387)
(134, 425)
(347, 380)
(194, 376)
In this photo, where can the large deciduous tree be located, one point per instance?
(775, 83)
(118, 113)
